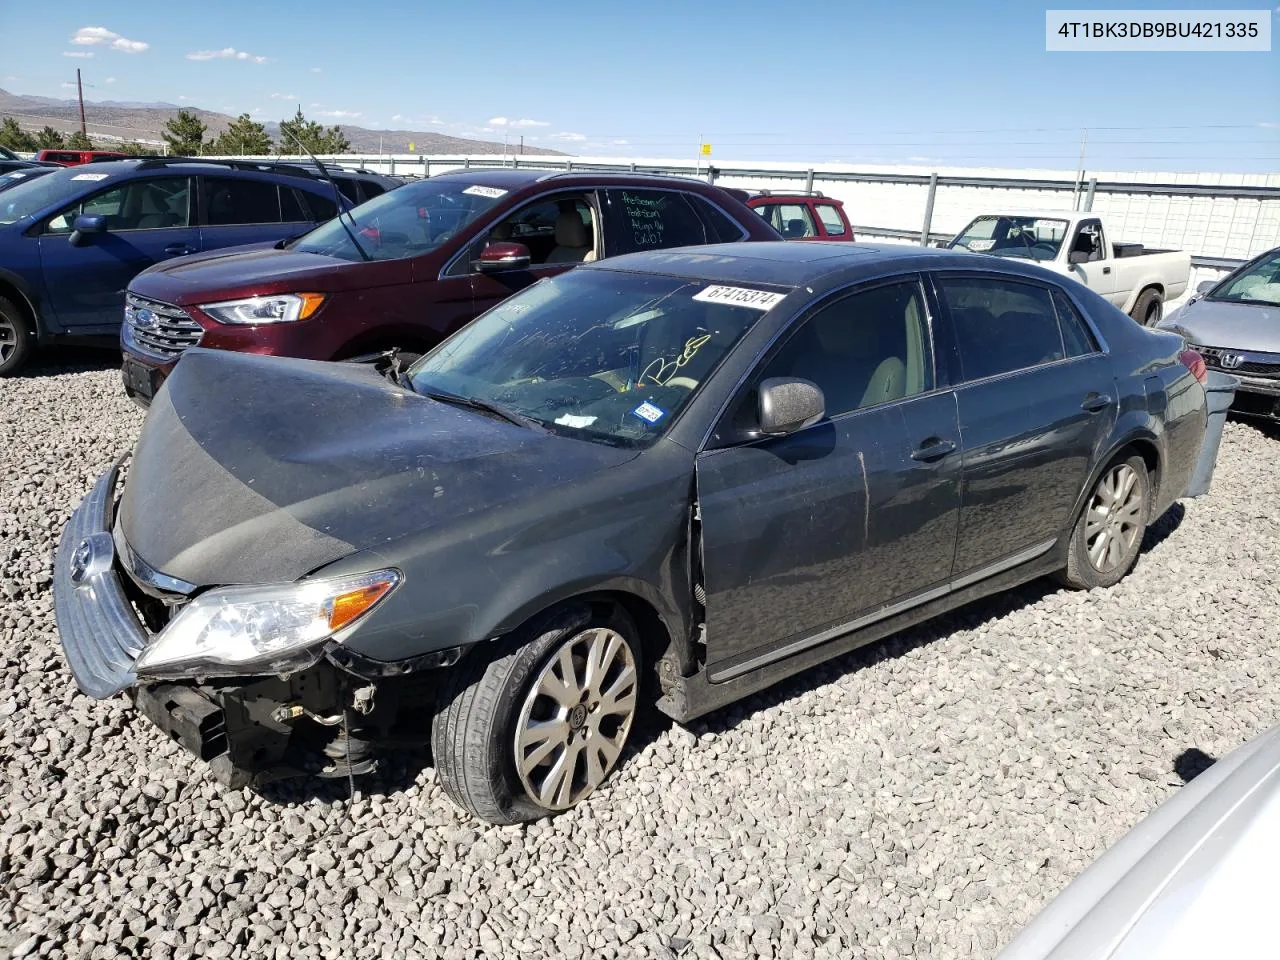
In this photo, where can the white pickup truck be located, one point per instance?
(1135, 279)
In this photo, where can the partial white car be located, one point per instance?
(1195, 880)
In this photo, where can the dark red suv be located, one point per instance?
(408, 268)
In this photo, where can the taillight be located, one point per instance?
(1195, 363)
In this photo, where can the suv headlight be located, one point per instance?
(262, 629)
(282, 308)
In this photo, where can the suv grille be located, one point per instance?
(1240, 361)
(160, 328)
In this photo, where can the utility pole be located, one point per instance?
(80, 91)
(1084, 142)
(522, 144)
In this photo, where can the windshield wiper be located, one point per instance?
(487, 406)
(337, 198)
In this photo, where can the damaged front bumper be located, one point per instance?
(321, 720)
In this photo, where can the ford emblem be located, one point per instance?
(144, 318)
(92, 556)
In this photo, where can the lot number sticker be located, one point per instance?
(493, 193)
(739, 297)
(90, 176)
(649, 413)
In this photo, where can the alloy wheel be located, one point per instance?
(1113, 525)
(8, 339)
(574, 722)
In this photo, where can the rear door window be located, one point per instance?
(1077, 339)
(832, 222)
(792, 220)
(240, 201)
(292, 209)
(321, 207)
(651, 220)
(1000, 325)
(369, 189)
(720, 226)
(348, 189)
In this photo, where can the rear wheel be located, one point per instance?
(1108, 536)
(15, 338)
(537, 728)
(1149, 308)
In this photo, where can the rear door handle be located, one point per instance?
(1106, 269)
(1095, 402)
(935, 448)
(178, 249)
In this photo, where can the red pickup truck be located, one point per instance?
(803, 215)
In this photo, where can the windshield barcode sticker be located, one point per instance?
(493, 193)
(649, 413)
(739, 297)
(90, 176)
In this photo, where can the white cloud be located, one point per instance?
(226, 53)
(571, 137)
(341, 114)
(1268, 124)
(109, 80)
(67, 85)
(417, 121)
(284, 96)
(316, 104)
(316, 70)
(504, 122)
(619, 143)
(183, 99)
(101, 36)
(78, 54)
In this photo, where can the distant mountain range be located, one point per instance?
(126, 120)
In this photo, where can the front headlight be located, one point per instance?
(262, 629)
(282, 308)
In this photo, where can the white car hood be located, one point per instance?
(1195, 879)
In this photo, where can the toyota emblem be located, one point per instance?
(93, 555)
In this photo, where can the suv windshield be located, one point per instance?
(1260, 283)
(414, 219)
(28, 199)
(1025, 238)
(606, 356)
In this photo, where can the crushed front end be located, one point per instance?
(315, 711)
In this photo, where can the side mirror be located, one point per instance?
(86, 225)
(1204, 286)
(1077, 256)
(498, 257)
(786, 405)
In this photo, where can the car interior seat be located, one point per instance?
(794, 228)
(159, 209)
(574, 243)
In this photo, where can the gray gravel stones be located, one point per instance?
(920, 798)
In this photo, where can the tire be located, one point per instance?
(1149, 308)
(15, 338)
(1107, 537)
(489, 701)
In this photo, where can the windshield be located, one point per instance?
(606, 356)
(39, 193)
(1259, 283)
(1026, 238)
(410, 220)
(8, 154)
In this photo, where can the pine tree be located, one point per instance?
(312, 136)
(49, 139)
(243, 136)
(184, 134)
(79, 141)
(14, 137)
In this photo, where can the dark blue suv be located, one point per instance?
(71, 241)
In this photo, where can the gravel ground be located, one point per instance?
(922, 798)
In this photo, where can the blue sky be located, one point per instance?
(965, 83)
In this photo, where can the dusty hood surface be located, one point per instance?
(262, 469)
(1240, 326)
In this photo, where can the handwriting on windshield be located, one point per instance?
(661, 370)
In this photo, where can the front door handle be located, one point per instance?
(1095, 402)
(178, 249)
(1106, 269)
(935, 448)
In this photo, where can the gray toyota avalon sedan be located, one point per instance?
(671, 477)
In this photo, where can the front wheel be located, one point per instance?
(1108, 536)
(538, 727)
(15, 338)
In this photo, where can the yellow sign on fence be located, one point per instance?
(706, 149)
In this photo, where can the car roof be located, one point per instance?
(516, 179)
(790, 264)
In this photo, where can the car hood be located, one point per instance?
(1194, 879)
(257, 269)
(258, 469)
(1219, 323)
